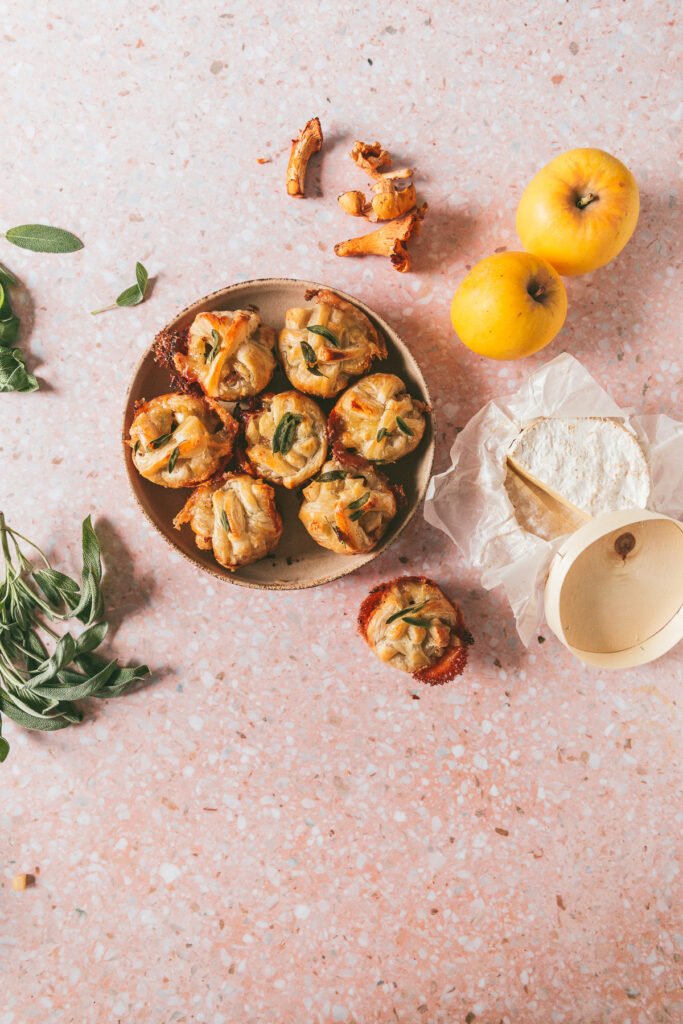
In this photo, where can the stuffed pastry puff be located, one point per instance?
(180, 440)
(229, 354)
(378, 418)
(410, 623)
(236, 515)
(349, 506)
(323, 347)
(285, 438)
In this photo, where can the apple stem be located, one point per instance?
(586, 200)
(535, 290)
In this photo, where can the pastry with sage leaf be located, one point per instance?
(323, 347)
(45, 671)
(235, 516)
(229, 354)
(348, 507)
(378, 418)
(411, 625)
(285, 438)
(181, 440)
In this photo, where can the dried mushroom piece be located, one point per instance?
(285, 438)
(323, 347)
(370, 157)
(181, 440)
(378, 418)
(236, 517)
(348, 507)
(308, 141)
(410, 624)
(229, 354)
(389, 240)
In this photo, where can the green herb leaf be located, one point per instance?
(408, 610)
(355, 516)
(403, 427)
(130, 296)
(325, 332)
(4, 749)
(424, 623)
(9, 329)
(42, 238)
(332, 474)
(13, 373)
(136, 446)
(224, 521)
(381, 433)
(359, 502)
(285, 432)
(310, 359)
(212, 352)
(7, 277)
(173, 459)
(160, 441)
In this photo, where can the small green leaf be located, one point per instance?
(224, 521)
(403, 427)
(173, 459)
(285, 432)
(408, 610)
(9, 329)
(42, 238)
(213, 349)
(359, 502)
(355, 516)
(4, 749)
(136, 447)
(381, 433)
(310, 359)
(325, 332)
(332, 474)
(142, 278)
(5, 303)
(160, 441)
(130, 296)
(7, 277)
(13, 373)
(423, 623)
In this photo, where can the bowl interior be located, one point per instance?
(298, 561)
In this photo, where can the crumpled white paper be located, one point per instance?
(469, 501)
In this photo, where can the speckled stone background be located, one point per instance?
(278, 828)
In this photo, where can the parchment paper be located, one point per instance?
(469, 501)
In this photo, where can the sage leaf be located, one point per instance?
(161, 440)
(42, 238)
(130, 296)
(285, 432)
(213, 349)
(13, 373)
(173, 459)
(9, 329)
(7, 278)
(224, 521)
(403, 427)
(310, 359)
(4, 749)
(381, 433)
(359, 502)
(424, 623)
(326, 333)
(332, 474)
(408, 610)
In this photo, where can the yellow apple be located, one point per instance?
(579, 211)
(509, 305)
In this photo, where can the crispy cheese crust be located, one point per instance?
(181, 440)
(378, 418)
(349, 506)
(229, 354)
(286, 438)
(236, 516)
(315, 364)
(411, 624)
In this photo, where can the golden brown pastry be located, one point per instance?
(229, 354)
(411, 624)
(286, 438)
(180, 441)
(235, 515)
(378, 418)
(322, 348)
(349, 506)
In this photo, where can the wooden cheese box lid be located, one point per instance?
(614, 592)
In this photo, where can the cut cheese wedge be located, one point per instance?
(587, 464)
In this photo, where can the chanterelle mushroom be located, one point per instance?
(370, 157)
(308, 141)
(389, 240)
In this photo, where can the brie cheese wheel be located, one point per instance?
(236, 517)
(229, 354)
(593, 465)
(286, 438)
(348, 507)
(180, 440)
(378, 418)
(411, 625)
(322, 362)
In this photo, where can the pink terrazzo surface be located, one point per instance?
(278, 828)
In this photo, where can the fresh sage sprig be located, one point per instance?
(285, 432)
(130, 296)
(13, 373)
(357, 507)
(38, 688)
(43, 238)
(173, 459)
(409, 609)
(332, 474)
(423, 623)
(310, 359)
(211, 351)
(325, 332)
(403, 427)
(382, 433)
